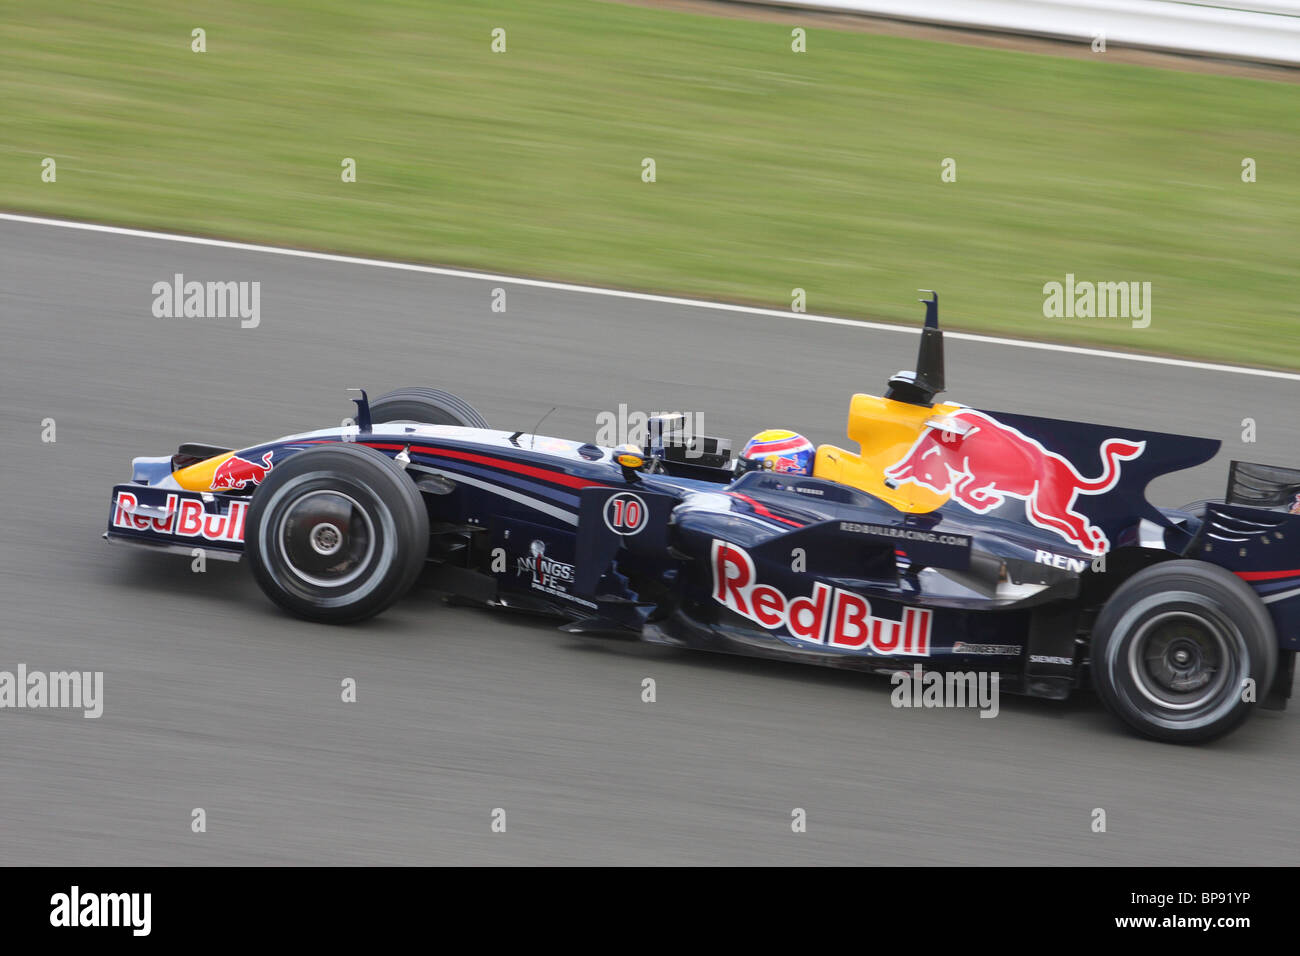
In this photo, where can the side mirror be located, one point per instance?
(631, 459)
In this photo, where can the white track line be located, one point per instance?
(645, 296)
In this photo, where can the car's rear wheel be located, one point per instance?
(1176, 647)
(336, 533)
(430, 406)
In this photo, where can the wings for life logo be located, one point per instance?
(981, 462)
(547, 573)
(830, 616)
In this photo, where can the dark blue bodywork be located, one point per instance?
(769, 564)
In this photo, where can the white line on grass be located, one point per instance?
(644, 296)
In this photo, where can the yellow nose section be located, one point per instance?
(885, 431)
(198, 476)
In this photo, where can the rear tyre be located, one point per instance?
(1173, 649)
(336, 533)
(429, 406)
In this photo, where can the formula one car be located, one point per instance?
(953, 537)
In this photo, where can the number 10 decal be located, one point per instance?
(625, 514)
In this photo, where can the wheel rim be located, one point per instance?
(1181, 659)
(326, 538)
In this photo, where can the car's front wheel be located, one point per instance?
(336, 533)
(1182, 650)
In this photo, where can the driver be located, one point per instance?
(780, 450)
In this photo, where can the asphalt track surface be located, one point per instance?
(215, 699)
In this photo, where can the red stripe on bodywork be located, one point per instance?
(545, 474)
(1267, 575)
(760, 508)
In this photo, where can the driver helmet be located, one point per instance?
(781, 450)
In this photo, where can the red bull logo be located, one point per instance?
(237, 473)
(830, 616)
(983, 462)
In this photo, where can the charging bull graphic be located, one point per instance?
(981, 462)
(237, 473)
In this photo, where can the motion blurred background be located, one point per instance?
(774, 169)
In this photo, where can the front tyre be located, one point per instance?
(1174, 648)
(336, 533)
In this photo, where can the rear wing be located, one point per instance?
(1262, 486)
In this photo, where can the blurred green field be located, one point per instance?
(775, 170)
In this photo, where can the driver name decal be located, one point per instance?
(830, 616)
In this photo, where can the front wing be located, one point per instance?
(175, 520)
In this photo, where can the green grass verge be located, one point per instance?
(775, 170)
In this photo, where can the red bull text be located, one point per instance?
(830, 616)
(182, 517)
